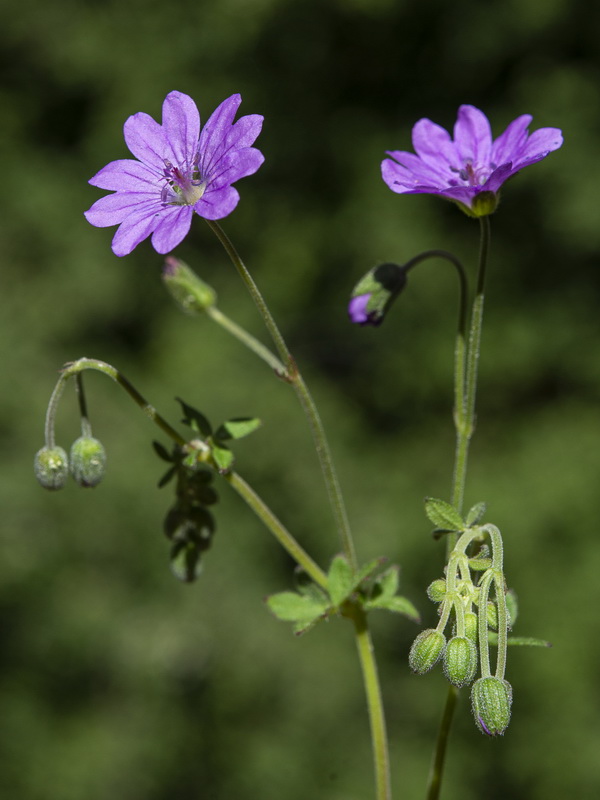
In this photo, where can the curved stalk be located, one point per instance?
(293, 376)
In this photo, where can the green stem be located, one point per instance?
(247, 339)
(375, 704)
(279, 531)
(465, 380)
(436, 772)
(82, 364)
(294, 377)
(283, 536)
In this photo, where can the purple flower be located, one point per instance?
(179, 170)
(471, 168)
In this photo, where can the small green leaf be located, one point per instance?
(292, 607)
(397, 604)
(167, 477)
(162, 452)
(366, 572)
(237, 428)
(443, 515)
(195, 419)
(387, 583)
(340, 580)
(520, 641)
(185, 560)
(223, 457)
(475, 514)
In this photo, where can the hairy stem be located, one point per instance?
(465, 381)
(292, 374)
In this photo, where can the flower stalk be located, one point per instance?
(294, 377)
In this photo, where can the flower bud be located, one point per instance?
(436, 591)
(375, 292)
(491, 699)
(492, 616)
(51, 467)
(471, 626)
(426, 650)
(88, 461)
(190, 293)
(460, 661)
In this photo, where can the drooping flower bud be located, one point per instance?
(190, 293)
(471, 626)
(375, 292)
(88, 461)
(51, 467)
(460, 661)
(426, 650)
(436, 591)
(491, 700)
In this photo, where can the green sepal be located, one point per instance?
(237, 428)
(475, 514)
(519, 641)
(443, 515)
(194, 419)
(303, 610)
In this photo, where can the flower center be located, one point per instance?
(182, 189)
(473, 175)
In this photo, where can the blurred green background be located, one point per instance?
(117, 681)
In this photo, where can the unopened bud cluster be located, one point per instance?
(86, 463)
(472, 602)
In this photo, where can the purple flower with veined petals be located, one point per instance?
(471, 168)
(180, 170)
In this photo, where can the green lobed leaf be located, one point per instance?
(443, 515)
(293, 607)
(237, 428)
(397, 604)
(366, 571)
(387, 583)
(340, 580)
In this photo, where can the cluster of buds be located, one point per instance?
(475, 605)
(86, 463)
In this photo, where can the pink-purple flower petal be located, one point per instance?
(181, 169)
(172, 228)
(469, 164)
